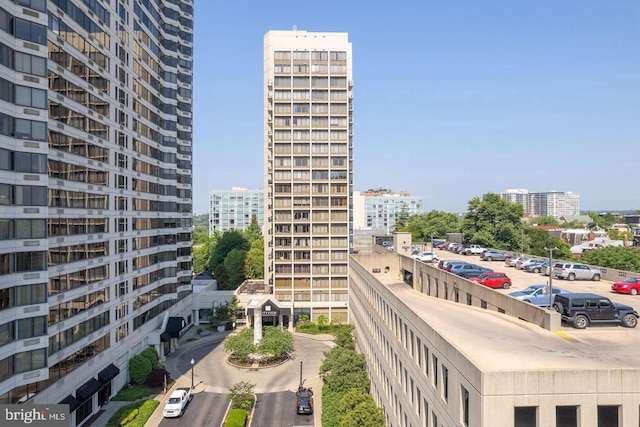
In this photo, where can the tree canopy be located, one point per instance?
(493, 222)
(618, 257)
(435, 223)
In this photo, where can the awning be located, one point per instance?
(108, 373)
(72, 402)
(88, 389)
(165, 337)
(174, 326)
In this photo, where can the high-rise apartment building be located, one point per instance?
(382, 208)
(233, 209)
(308, 130)
(95, 193)
(545, 203)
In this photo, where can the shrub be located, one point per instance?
(156, 377)
(241, 395)
(199, 331)
(151, 354)
(144, 413)
(139, 368)
(236, 418)
(132, 394)
(130, 416)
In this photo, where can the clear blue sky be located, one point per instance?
(453, 99)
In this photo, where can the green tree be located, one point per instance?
(200, 235)
(603, 221)
(234, 264)
(254, 262)
(539, 239)
(344, 337)
(365, 414)
(139, 368)
(435, 223)
(615, 234)
(402, 218)
(241, 395)
(201, 220)
(240, 344)
(545, 220)
(152, 355)
(344, 369)
(350, 400)
(253, 231)
(222, 276)
(323, 322)
(275, 342)
(492, 215)
(617, 257)
(230, 240)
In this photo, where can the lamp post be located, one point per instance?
(193, 362)
(550, 275)
(522, 240)
(433, 250)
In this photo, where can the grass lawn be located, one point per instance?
(132, 394)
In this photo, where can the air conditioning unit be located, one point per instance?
(270, 83)
(270, 94)
(270, 119)
(350, 95)
(269, 132)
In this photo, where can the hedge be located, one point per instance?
(236, 418)
(134, 414)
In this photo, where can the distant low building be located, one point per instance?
(600, 242)
(544, 203)
(579, 236)
(380, 208)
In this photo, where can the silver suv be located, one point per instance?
(571, 271)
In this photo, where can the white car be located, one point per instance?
(426, 256)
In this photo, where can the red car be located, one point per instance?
(493, 280)
(628, 286)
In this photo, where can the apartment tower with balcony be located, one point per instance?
(308, 134)
(95, 193)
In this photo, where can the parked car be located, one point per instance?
(426, 256)
(493, 279)
(538, 294)
(469, 270)
(490, 255)
(520, 265)
(630, 285)
(511, 262)
(473, 250)
(177, 403)
(451, 264)
(571, 271)
(581, 309)
(304, 399)
(536, 268)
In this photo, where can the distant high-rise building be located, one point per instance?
(545, 203)
(381, 208)
(95, 193)
(308, 130)
(233, 209)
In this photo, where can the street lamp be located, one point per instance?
(433, 250)
(550, 274)
(193, 362)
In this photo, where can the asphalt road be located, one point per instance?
(521, 279)
(274, 387)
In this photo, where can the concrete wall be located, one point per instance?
(430, 280)
(399, 347)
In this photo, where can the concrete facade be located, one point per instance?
(437, 361)
(95, 219)
(381, 208)
(308, 155)
(233, 209)
(545, 203)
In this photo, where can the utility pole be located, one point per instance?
(550, 275)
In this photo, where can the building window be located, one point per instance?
(526, 416)
(464, 406)
(608, 416)
(566, 416)
(435, 371)
(445, 383)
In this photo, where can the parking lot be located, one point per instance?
(521, 279)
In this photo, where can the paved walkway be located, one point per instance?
(266, 380)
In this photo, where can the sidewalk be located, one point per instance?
(101, 418)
